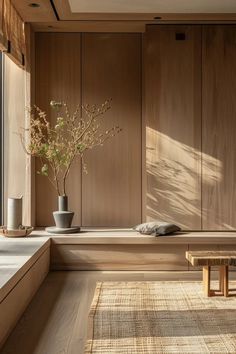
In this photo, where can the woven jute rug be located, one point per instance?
(160, 317)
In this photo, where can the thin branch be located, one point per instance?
(71, 136)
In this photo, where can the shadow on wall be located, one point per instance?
(174, 180)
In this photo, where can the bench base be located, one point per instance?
(223, 281)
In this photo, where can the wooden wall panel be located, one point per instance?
(15, 160)
(178, 149)
(173, 124)
(30, 100)
(58, 77)
(111, 191)
(219, 123)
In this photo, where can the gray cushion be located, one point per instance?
(157, 228)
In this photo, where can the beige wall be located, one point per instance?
(190, 125)
(111, 191)
(173, 125)
(15, 159)
(218, 127)
(57, 77)
(184, 109)
(110, 195)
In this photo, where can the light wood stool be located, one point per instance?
(208, 259)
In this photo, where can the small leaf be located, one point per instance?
(55, 104)
(44, 170)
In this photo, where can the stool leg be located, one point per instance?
(221, 279)
(206, 271)
(226, 280)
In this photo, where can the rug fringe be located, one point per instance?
(92, 312)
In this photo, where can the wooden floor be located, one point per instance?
(56, 320)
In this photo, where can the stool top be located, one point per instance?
(211, 258)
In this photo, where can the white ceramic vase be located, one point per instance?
(14, 213)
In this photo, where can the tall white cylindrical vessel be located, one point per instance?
(14, 213)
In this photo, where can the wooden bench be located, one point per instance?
(208, 259)
(126, 249)
(24, 264)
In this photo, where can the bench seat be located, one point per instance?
(126, 249)
(24, 264)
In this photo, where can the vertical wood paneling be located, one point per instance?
(219, 122)
(58, 77)
(112, 67)
(29, 206)
(173, 124)
(15, 159)
(111, 191)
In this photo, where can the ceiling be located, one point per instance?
(155, 6)
(121, 15)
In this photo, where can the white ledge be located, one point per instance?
(17, 255)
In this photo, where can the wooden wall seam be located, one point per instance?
(201, 132)
(81, 111)
(143, 152)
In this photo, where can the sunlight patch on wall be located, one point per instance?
(212, 169)
(174, 179)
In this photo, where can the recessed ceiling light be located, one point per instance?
(157, 18)
(34, 4)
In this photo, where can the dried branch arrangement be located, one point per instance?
(57, 146)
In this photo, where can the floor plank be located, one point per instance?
(56, 320)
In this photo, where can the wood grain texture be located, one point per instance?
(90, 26)
(218, 137)
(15, 160)
(212, 246)
(111, 236)
(29, 206)
(58, 77)
(208, 246)
(111, 191)
(226, 280)
(223, 281)
(118, 257)
(15, 303)
(173, 124)
(31, 14)
(144, 169)
(206, 278)
(211, 258)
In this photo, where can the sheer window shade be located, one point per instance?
(12, 36)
